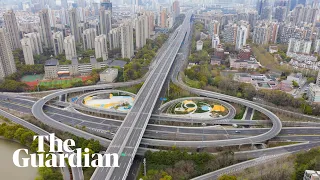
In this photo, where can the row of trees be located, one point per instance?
(138, 66)
(25, 137)
(176, 164)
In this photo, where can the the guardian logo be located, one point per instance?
(59, 151)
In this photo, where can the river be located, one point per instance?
(7, 169)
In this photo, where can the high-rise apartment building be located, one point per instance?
(280, 13)
(74, 24)
(35, 42)
(241, 39)
(27, 50)
(142, 31)
(114, 38)
(105, 21)
(261, 34)
(299, 46)
(70, 47)
(230, 33)
(58, 43)
(163, 18)
(150, 16)
(101, 48)
(45, 28)
(7, 64)
(127, 50)
(176, 8)
(88, 38)
(12, 29)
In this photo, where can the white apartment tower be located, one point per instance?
(7, 65)
(45, 28)
(88, 38)
(58, 43)
(101, 47)
(105, 21)
(299, 46)
(126, 40)
(35, 42)
(27, 50)
(241, 37)
(74, 24)
(12, 29)
(261, 34)
(70, 47)
(142, 31)
(114, 38)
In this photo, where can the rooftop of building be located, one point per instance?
(109, 71)
(119, 63)
(51, 62)
(74, 61)
(93, 60)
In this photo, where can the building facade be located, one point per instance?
(58, 43)
(88, 38)
(101, 49)
(12, 29)
(127, 49)
(70, 47)
(27, 50)
(45, 28)
(7, 64)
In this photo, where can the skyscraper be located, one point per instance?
(260, 5)
(58, 43)
(142, 31)
(74, 21)
(64, 4)
(241, 37)
(280, 13)
(176, 8)
(70, 47)
(45, 28)
(163, 18)
(27, 50)
(12, 29)
(88, 38)
(101, 48)
(7, 65)
(35, 42)
(114, 38)
(105, 20)
(126, 40)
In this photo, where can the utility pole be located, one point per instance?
(145, 166)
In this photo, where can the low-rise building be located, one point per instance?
(311, 175)
(297, 77)
(314, 93)
(199, 45)
(51, 68)
(245, 63)
(215, 61)
(273, 49)
(109, 75)
(54, 70)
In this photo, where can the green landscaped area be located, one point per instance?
(51, 84)
(31, 78)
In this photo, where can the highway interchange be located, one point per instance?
(124, 136)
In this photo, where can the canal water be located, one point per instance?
(7, 169)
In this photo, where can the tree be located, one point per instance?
(227, 177)
(295, 84)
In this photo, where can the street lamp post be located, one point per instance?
(203, 125)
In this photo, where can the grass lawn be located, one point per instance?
(276, 144)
